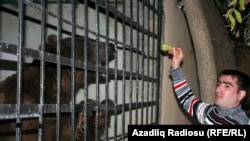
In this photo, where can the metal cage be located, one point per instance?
(78, 70)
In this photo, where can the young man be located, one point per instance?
(231, 90)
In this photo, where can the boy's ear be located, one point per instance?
(242, 94)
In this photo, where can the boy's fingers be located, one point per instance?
(170, 51)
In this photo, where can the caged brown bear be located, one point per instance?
(65, 135)
(31, 81)
(30, 132)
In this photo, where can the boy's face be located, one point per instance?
(227, 94)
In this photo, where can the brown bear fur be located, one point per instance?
(31, 73)
(31, 83)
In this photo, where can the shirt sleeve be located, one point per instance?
(191, 103)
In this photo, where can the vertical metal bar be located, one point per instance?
(137, 61)
(86, 68)
(124, 69)
(97, 49)
(106, 69)
(58, 61)
(131, 61)
(97, 67)
(116, 70)
(142, 66)
(19, 66)
(42, 69)
(73, 18)
(154, 68)
(148, 61)
(160, 12)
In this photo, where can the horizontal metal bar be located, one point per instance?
(14, 2)
(8, 111)
(49, 57)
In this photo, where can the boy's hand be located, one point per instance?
(177, 57)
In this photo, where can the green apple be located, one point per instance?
(165, 47)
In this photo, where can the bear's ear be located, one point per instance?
(109, 101)
(111, 104)
(50, 45)
(52, 39)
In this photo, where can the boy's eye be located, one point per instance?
(218, 84)
(227, 86)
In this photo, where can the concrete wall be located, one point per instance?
(176, 34)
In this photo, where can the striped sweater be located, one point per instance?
(206, 114)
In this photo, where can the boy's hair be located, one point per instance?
(243, 80)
